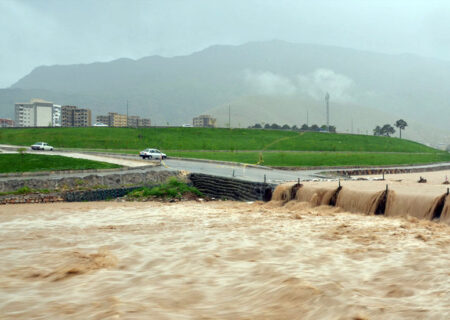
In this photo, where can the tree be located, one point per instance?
(387, 130)
(332, 129)
(377, 131)
(285, 127)
(314, 127)
(267, 126)
(401, 125)
(294, 127)
(304, 127)
(275, 126)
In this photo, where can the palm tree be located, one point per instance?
(401, 125)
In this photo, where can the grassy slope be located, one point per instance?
(307, 159)
(33, 162)
(206, 139)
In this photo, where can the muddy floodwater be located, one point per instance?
(219, 260)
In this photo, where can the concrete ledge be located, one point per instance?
(360, 167)
(379, 171)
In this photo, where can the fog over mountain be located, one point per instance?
(366, 88)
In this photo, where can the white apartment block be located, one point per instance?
(56, 115)
(36, 113)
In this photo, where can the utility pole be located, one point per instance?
(327, 101)
(127, 113)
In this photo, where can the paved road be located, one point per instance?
(250, 173)
(241, 172)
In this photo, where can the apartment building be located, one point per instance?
(6, 123)
(103, 119)
(121, 120)
(72, 116)
(36, 113)
(136, 121)
(205, 121)
(56, 115)
(118, 120)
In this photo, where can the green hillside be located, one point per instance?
(316, 159)
(185, 139)
(39, 162)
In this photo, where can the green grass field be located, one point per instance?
(313, 159)
(192, 139)
(34, 162)
(279, 148)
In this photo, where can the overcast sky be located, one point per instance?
(47, 32)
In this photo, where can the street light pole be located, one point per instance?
(327, 101)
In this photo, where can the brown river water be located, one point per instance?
(219, 260)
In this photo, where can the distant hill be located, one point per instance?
(261, 79)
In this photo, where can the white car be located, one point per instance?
(152, 154)
(42, 146)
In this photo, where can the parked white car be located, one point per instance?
(42, 146)
(152, 154)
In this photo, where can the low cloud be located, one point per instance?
(268, 83)
(321, 81)
(314, 85)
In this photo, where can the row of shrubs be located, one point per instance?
(172, 189)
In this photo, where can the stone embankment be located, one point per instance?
(231, 189)
(31, 198)
(114, 187)
(94, 181)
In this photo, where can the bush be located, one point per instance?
(23, 190)
(173, 188)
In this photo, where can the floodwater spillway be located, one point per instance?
(369, 202)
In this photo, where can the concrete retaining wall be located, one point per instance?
(231, 189)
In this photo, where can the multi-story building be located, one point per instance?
(6, 123)
(103, 119)
(71, 116)
(205, 121)
(121, 120)
(144, 122)
(36, 113)
(118, 120)
(133, 121)
(136, 121)
(56, 115)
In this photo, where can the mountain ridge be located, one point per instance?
(175, 89)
